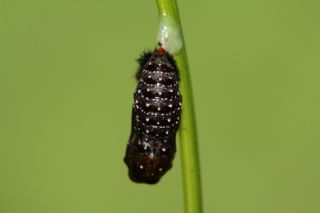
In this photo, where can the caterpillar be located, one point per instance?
(155, 118)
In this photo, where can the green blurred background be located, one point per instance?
(66, 83)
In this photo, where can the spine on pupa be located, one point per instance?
(155, 118)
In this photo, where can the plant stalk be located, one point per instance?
(171, 37)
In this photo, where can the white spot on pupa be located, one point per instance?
(160, 93)
(147, 119)
(159, 108)
(147, 131)
(171, 90)
(177, 122)
(178, 118)
(148, 90)
(180, 103)
(148, 104)
(170, 105)
(167, 132)
(150, 63)
(137, 101)
(137, 106)
(149, 76)
(151, 156)
(160, 169)
(141, 167)
(169, 120)
(160, 79)
(158, 84)
(158, 122)
(139, 91)
(163, 149)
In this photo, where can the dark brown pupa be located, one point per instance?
(155, 118)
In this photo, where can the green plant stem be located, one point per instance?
(168, 10)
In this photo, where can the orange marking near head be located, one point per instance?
(161, 51)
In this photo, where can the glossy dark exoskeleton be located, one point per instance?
(155, 118)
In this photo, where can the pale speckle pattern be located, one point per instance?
(156, 116)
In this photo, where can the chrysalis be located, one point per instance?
(155, 118)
